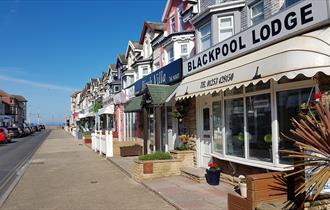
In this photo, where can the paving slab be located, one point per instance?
(184, 193)
(64, 174)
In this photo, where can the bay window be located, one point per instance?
(259, 127)
(288, 103)
(217, 127)
(170, 55)
(257, 12)
(205, 33)
(234, 122)
(248, 122)
(172, 24)
(226, 27)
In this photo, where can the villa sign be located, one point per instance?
(166, 75)
(305, 16)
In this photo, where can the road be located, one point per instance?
(14, 155)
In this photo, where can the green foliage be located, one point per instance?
(97, 106)
(156, 156)
(183, 147)
(87, 133)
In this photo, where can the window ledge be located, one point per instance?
(254, 163)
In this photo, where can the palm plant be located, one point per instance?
(312, 137)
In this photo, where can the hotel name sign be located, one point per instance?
(295, 20)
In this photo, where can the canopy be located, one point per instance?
(110, 109)
(307, 54)
(160, 93)
(134, 104)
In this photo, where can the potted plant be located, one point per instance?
(242, 186)
(213, 174)
(178, 115)
(87, 137)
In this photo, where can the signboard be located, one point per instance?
(166, 75)
(295, 20)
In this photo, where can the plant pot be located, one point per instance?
(213, 176)
(148, 168)
(87, 140)
(243, 189)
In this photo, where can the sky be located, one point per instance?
(49, 49)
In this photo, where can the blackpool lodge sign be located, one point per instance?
(295, 20)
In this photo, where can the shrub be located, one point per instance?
(183, 147)
(156, 156)
(87, 133)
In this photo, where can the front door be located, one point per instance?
(205, 132)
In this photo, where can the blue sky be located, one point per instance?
(48, 49)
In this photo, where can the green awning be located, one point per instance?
(134, 105)
(159, 93)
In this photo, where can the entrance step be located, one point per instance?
(196, 174)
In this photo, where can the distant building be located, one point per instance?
(12, 109)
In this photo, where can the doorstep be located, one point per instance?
(125, 164)
(195, 174)
(184, 193)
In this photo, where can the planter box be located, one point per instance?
(87, 139)
(150, 169)
(135, 150)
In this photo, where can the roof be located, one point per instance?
(159, 93)
(137, 45)
(132, 46)
(153, 26)
(19, 98)
(75, 93)
(113, 67)
(134, 105)
(4, 94)
(122, 58)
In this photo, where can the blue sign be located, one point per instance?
(166, 75)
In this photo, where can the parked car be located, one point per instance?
(4, 136)
(15, 132)
(40, 127)
(36, 128)
(24, 127)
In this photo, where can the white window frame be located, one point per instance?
(206, 35)
(250, 10)
(274, 88)
(170, 59)
(180, 18)
(143, 68)
(184, 55)
(172, 23)
(226, 28)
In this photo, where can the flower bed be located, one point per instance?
(147, 167)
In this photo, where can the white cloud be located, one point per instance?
(37, 84)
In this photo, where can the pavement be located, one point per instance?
(64, 174)
(182, 192)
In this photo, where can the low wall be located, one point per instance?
(118, 144)
(160, 168)
(261, 188)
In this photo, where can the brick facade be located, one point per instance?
(189, 120)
